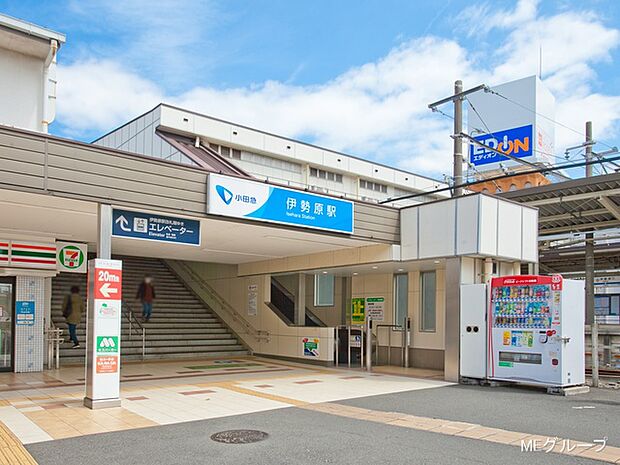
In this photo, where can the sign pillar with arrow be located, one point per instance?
(103, 354)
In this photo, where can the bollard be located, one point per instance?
(361, 349)
(595, 360)
(349, 346)
(368, 344)
(406, 325)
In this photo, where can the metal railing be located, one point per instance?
(53, 336)
(134, 324)
(405, 329)
(225, 306)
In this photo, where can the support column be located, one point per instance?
(589, 278)
(516, 268)
(300, 300)
(452, 319)
(488, 269)
(104, 231)
(458, 140)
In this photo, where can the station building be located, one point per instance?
(258, 244)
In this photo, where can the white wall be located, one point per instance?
(382, 285)
(473, 225)
(21, 90)
(284, 341)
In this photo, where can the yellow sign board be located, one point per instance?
(358, 310)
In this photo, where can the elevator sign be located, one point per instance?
(105, 282)
(152, 227)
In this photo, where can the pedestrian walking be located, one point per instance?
(146, 294)
(72, 308)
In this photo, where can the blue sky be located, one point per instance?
(351, 75)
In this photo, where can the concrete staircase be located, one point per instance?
(181, 326)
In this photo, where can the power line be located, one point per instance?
(494, 92)
(489, 132)
(521, 173)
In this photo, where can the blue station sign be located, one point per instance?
(147, 226)
(516, 142)
(241, 198)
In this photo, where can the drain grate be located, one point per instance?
(239, 436)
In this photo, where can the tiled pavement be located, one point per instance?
(44, 406)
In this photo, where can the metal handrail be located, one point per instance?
(133, 320)
(377, 345)
(235, 315)
(405, 342)
(54, 339)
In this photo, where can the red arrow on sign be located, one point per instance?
(108, 284)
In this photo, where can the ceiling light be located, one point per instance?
(355, 274)
(375, 267)
(401, 269)
(324, 272)
(436, 262)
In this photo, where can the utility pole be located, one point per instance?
(458, 140)
(589, 256)
(457, 99)
(588, 148)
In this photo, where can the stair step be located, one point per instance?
(181, 325)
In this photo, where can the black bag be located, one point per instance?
(68, 308)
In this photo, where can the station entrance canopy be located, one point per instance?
(51, 188)
(567, 210)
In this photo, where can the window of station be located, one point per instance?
(605, 305)
(324, 290)
(226, 151)
(270, 162)
(323, 174)
(373, 186)
(401, 297)
(428, 285)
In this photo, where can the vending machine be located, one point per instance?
(536, 330)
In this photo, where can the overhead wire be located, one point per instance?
(525, 107)
(542, 169)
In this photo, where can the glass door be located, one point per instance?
(7, 301)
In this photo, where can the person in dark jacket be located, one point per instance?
(72, 308)
(146, 294)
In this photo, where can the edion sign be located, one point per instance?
(516, 142)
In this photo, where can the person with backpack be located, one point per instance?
(146, 294)
(72, 309)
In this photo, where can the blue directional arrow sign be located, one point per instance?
(147, 226)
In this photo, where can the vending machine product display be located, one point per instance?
(536, 330)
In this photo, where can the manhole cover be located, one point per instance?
(239, 436)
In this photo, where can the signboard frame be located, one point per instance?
(82, 257)
(27, 309)
(103, 352)
(123, 226)
(375, 308)
(220, 194)
(358, 317)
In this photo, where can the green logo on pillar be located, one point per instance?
(71, 257)
(107, 344)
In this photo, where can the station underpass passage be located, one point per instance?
(182, 326)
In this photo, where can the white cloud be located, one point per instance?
(481, 18)
(99, 95)
(379, 109)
